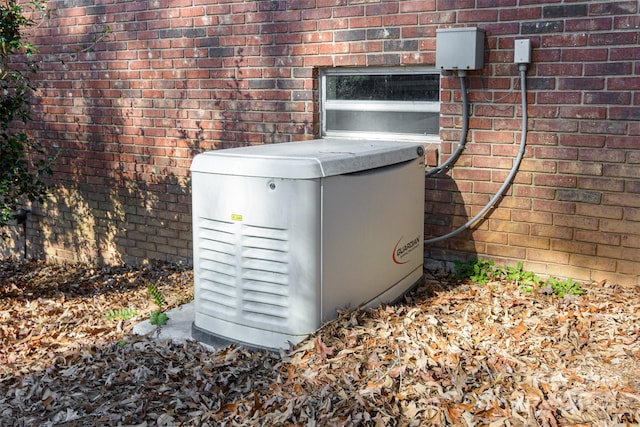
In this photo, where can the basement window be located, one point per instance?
(383, 103)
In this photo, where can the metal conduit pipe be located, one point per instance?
(465, 129)
(522, 68)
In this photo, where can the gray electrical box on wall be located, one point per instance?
(459, 48)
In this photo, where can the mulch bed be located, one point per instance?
(452, 353)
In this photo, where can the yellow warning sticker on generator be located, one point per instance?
(236, 217)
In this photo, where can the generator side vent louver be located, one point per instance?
(245, 271)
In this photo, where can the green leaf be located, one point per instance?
(156, 295)
(565, 287)
(121, 314)
(158, 318)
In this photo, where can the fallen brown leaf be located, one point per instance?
(451, 353)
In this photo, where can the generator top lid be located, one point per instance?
(306, 159)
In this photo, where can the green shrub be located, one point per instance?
(565, 287)
(23, 161)
(526, 280)
(483, 271)
(478, 271)
(158, 317)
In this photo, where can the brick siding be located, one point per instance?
(175, 78)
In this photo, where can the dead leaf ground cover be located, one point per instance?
(450, 354)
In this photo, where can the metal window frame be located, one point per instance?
(397, 106)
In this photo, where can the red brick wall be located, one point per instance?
(178, 77)
(574, 207)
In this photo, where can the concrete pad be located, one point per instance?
(177, 329)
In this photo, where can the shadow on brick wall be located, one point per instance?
(112, 201)
(445, 211)
(119, 222)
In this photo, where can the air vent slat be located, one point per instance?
(216, 277)
(212, 224)
(219, 258)
(265, 232)
(210, 306)
(265, 309)
(220, 247)
(264, 265)
(215, 235)
(265, 254)
(261, 243)
(219, 287)
(219, 298)
(264, 298)
(265, 287)
(262, 319)
(218, 267)
(265, 276)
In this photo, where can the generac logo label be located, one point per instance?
(402, 249)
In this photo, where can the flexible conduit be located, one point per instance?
(465, 129)
(514, 169)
